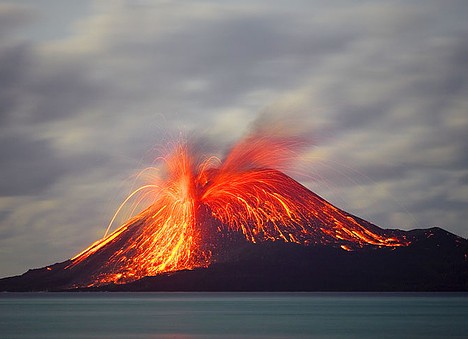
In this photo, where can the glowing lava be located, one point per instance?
(244, 194)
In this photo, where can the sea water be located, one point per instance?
(233, 315)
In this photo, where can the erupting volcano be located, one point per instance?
(203, 211)
(196, 204)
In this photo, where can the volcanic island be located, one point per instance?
(242, 224)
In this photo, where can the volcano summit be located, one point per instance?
(242, 224)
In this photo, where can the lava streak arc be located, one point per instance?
(245, 194)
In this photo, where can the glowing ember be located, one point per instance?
(244, 194)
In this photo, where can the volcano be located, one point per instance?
(241, 225)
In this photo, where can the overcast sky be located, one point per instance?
(90, 90)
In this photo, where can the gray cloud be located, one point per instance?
(13, 64)
(13, 17)
(27, 167)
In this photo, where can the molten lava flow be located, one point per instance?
(161, 238)
(242, 194)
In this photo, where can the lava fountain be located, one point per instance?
(244, 194)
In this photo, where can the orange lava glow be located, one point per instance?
(244, 194)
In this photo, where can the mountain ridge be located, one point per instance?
(297, 241)
(436, 260)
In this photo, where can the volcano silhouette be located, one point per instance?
(333, 250)
(240, 224)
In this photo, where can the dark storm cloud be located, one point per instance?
(31, 166)
(61, 93)
(13, 65)
(30, 163)
(231, 53)
(28, 167)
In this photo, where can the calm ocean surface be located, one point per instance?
(233, 315)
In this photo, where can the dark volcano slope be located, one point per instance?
(272, 207)
(436, 260)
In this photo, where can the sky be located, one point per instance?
(91, 91)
